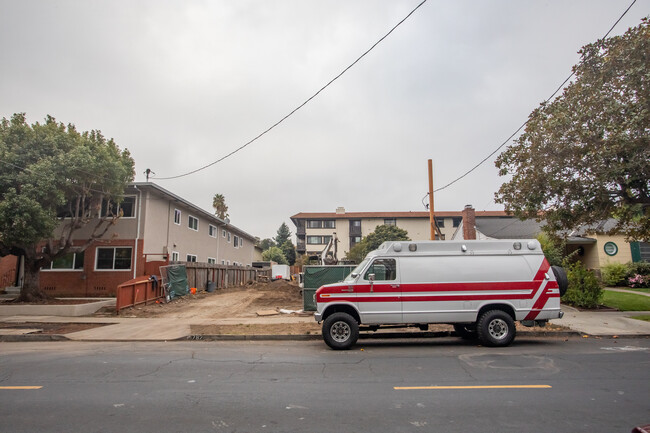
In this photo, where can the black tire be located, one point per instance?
(466, 332)
(561, 278)
(340, 331)
(496, 328)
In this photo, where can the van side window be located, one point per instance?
(384, 270)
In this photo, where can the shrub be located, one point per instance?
(638, 268)
(584, 289)
(614, 274)
(638, 281)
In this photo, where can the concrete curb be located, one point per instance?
(309, 337)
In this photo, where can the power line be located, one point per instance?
(528, 120)
(299, 106)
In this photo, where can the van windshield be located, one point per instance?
(356, 271)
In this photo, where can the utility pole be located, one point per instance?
(432, 218)
(148, 172)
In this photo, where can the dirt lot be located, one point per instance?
(246, 301)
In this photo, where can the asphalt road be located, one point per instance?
(443, 385)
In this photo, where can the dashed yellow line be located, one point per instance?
(409, 388)
(20, 387)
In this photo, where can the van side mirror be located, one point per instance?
(371, 277)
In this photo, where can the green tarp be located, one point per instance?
(178, 285)
(316, 276)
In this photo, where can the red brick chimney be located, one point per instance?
(469, 222)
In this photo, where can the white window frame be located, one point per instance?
(189, 226)
(223, 233)
(212, 261)
(189, 257)
(212, 231)
(229, 237)
(176, 257)
(235, 241)
(223, 262)
(135, 208)
(113, 268)
(178, 216)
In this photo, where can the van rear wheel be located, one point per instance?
(496, 328)
(340, 331)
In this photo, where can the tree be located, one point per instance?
(585, 157)
(289, 251)
(220, 207)
(382, 233)
(53, 182)
(274, 254)
(283, 235)
(266, 243)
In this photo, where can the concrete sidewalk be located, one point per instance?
(156, 329)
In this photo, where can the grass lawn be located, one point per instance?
(638, 290)
(626, 301)
(645, 317)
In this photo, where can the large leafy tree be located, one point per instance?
(55, 180)
(289, 251)
(274, 254)
(382, 233)
(585, 157)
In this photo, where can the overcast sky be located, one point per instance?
(183, 83)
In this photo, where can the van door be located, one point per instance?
(379, 293)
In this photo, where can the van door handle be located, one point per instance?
(394, 286)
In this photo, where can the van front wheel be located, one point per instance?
(496, 328)
(340, 331)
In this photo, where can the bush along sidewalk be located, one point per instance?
(634, 275)
(584, 288)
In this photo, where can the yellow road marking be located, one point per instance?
(407, 388)
(21, 387)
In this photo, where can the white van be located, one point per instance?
(481, 287)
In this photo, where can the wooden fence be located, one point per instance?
(199, 274)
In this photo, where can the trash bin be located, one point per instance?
(211, 287)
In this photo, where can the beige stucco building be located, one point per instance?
(315, 229)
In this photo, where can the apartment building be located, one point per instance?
(315, 229)
(157, 227)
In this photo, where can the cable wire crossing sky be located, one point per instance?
(181, 82)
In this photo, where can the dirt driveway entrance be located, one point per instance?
(237, 302)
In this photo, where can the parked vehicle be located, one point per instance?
(480, 287)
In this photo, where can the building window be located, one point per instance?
(70, 262)
(212, 231)
(223, 262)
(228, 237)
(191, 258)
(126, 209)
(314, 224)
(212, 261)
(318, 240)
(355, 223)
(228, 263)
(175, 256)
(390, 222)
(241, 242)
(331, 224)
(440, 222)
(223, 233)
(177, 217)
(235, 241)
(354, 240)
(456, 221)
(117, 258)
(193, 223)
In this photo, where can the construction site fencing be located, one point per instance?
(200, 275)
(141, 290)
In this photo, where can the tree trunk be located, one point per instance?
(31, 291)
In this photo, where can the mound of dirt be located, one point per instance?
(242, 301)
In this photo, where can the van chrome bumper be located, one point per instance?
(318, 317)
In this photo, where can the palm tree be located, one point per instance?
(220, 207)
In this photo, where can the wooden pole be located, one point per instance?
(431, 213)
